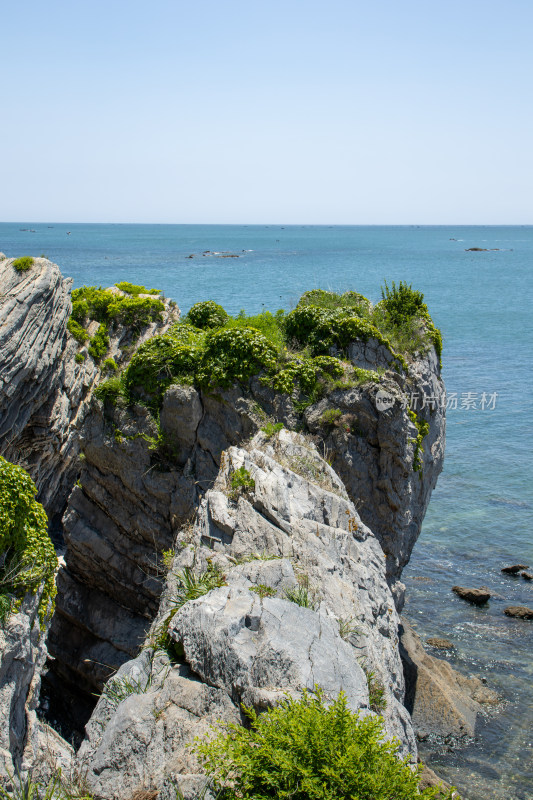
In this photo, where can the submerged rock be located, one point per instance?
(440, 644)
(514, 569)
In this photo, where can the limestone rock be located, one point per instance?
(440, 700)
(477, 597)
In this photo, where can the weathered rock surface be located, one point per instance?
(441, 701)
(373, 453)
(519, 612)
(477, 597)
(44, 392)
(440, 643)
(291, 530)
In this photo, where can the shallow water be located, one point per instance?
(481, 513)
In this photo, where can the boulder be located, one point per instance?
(441, 701)
(439, 643)
(528, 576)
(477, 597)
(519, 612)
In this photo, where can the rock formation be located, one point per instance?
(332, 516)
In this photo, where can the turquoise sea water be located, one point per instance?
(481, 513)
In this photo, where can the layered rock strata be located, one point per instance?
(246, 641)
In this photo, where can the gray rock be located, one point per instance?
(180, 416)
(440, 643)
(477, 597)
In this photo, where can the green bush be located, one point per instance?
(23, 264)
(330, 417)
(422, 428)
(332, 300)
(159, 362)
(234, 354)
(309, 750)
(27, 554)
(207, 314)
(271, 428)
(402, 302)
(110, 365)
(136, 312)
(241, 482)
(135, 289)
(76, 330)
(80, 358)
(90, 302)
(110, 390)
(99, 342)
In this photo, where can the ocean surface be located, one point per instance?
(481, 514)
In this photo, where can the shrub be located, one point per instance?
(207, 314)
(135, 289)
(309, 750)
(160, 361)
(90, 302)
(76, 330)
(234, 354)
(110, 365)
(110, 390)
(423, 429)
(331, 300)
(79, 358)
(271, 428)
(241, 482)
(23, 264)
(28, 556)
(136, 312)
(402, 302)
(330, 417)
(99, 342)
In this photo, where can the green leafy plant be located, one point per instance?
(23, 264)
(234, 355)
(376, 692)
(271, 428)
(347, 627)
(77, 331)
(263, 590)
(109, 365)
(56, 788)
(120, 687)
(423, 429)
(110, 390)
(207, 314)
(309, 749)
(302, 596)
(330, 417)
(135, 289)
(79, 358)
(191, 586)
(28, 556)
(99, 343)
(402, 302)
(241, 482)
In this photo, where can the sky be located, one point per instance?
(289, 111)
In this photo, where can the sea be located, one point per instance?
(480, 517)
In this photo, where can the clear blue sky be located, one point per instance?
(292, 111)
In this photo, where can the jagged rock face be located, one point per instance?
(291, 530)
(374, 452)
(44, 393)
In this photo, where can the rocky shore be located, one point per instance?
(295, 511)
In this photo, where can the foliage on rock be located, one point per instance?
(23, 264)
(306, 749)
(207, 314)
(27, 554)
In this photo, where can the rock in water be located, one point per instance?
(519, 612)
(440, 700)
(477, 597)
(440, 644)
(516, 568)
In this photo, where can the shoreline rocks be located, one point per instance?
(519, 612)
(477, 597)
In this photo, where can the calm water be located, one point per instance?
(481, 513)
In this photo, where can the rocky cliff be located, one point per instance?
(332, 516)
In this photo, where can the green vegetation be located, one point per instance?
(56, 788)
(110, 390)
(271, 428)
(79, 358)
(191, 585)
(109, 365)
(330, 417)
(423, 429)
(134, 289)
(302, 596)
(241, 482)
(107, 308)
(301, 353)
(120, 687)
(28, 558)
(23, 264)
(309, 749)
(376, 692)
(207, 314)
(263, 590)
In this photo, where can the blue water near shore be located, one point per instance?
(481, 513)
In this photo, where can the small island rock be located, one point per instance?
(514, 569)
(441, 644)
(528, 576)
